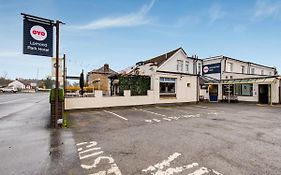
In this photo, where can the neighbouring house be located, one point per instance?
(98, 79)
(229, 79)
(17, 84)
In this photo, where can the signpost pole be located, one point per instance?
(57, 75)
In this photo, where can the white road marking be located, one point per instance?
(159, 167)
(152, 112)
(200, 171)
(148, 121)
(93, 143)
(164, 163)
(113, 167)
(214, 113)
(82, 143)
(167, 119)
(97, 161)
(88, 150)
(90, 155)
(156, 120)
(217, 173)
(115, 114)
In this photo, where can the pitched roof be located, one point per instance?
(159, 60)
(101, 70)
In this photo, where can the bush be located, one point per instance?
(53, 95)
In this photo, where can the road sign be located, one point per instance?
(37, 38)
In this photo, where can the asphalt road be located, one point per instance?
(238, 139)
(27, 145)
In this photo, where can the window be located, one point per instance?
(199, 68)
(244, 89)
(180, 65)
(242, 69)
(187, 66)
(167, 87)
(230, 67)
(227, 89)
(262, 72)
(252, 70)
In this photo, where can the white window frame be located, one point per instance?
(243, 69)
(180, 65)
(187, 66)
(230, 67)
(252, 70)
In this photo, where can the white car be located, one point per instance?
(9, 89)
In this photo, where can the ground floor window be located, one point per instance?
(167, 87)
(244, 89)
(228, 89)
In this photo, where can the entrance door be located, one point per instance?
(213, 93)
(263, 93)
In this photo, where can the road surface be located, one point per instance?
(27, 144)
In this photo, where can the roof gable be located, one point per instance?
(159, 60)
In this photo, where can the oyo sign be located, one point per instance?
(206, 69)
(38, 33)
(212, 68)
(37, 38)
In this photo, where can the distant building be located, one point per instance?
(17, 84)
(98, 78)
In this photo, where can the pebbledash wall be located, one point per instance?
(185, 88)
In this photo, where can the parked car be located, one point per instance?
(9, 89)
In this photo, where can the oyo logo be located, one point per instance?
(38, 33)
(206, 69)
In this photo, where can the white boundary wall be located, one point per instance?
(99, 101)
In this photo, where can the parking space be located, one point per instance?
(179, 139)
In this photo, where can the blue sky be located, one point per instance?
(123, 32)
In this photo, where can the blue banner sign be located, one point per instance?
(212, 68)
(37, 38)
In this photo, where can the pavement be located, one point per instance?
(27, 144)
(211, 138)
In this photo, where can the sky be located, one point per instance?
(123, 32)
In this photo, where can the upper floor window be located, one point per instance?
(187, 66)
(252, 70)
(180, 65)
(242, 69)
(230, 67)
(262, 72)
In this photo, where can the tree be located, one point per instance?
(49, 82)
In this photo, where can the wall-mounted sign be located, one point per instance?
(212, 68)
(37, 38)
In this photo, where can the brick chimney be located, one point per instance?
(106, 68)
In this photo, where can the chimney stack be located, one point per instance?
(106, 68)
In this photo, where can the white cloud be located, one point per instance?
(267, 8)
(216, 13)
(129, 20)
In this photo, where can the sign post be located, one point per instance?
(38, 40)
